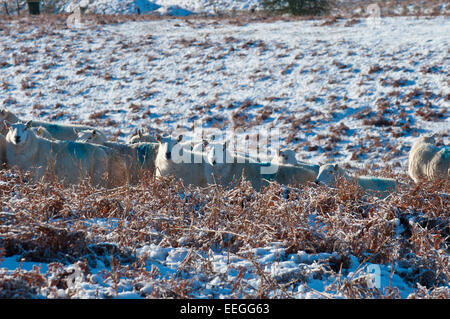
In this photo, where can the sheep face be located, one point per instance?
(328, 174)
(137, 138)
(134, 139)
(429, 139)
(89, 136)
(287, 157)
(140, 137)
(166, 145)
(6, 116)
(18, 132)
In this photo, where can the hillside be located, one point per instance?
(351, 91)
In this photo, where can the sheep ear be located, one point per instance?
(139, 133)
(76, 130)
(335, 167)
(180, 137)
(28, 124)
(7, 124)
(39, 131)
(94, 132)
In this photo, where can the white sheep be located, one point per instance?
(226, 167)
(90, 136)
(137, 156)
(329, 173)
(174, 159)
(71, 162)
(287, 156)
(57, 131)
(427, 161)
(140, 137)
(293, 174)
(6, 116)
(42, 132)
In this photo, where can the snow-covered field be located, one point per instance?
(226, 7)
(356, 93)
(351, 91)
(164, 7)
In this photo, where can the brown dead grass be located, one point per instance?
(45, 222)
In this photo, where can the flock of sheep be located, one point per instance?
(74, 153)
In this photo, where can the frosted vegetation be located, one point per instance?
(352, 90)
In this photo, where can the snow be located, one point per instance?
(281, 270)
(287, 66)
(164, 7)
(157, 66)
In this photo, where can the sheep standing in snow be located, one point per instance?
(294, 174)
(137, 156)
(174, 159)
(328, 174)
(42, 132)
(226, 167)
(71, 162)
(140, 137)
(57, 131)
(427, 161)
(287, 156)
(9, 117)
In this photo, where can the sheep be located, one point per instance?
(225, 167)
(42, 132)
(174, 159)
(71, 162)
(6, 116)
(294, 174)
(137, 156)
(140, 137)
(90, 136)
(287, 156)
(57, 131)
(427, 161)
(328, 174)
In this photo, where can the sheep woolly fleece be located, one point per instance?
(427, 161)
(189, 166)
(328, 174)
(70, 161)
(136, 156)
(57, 131)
